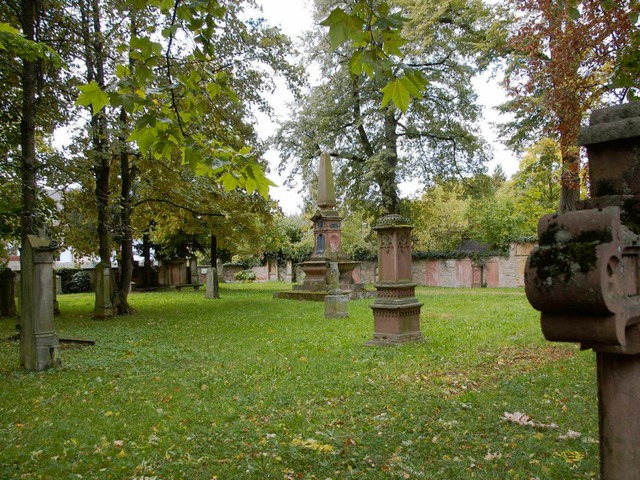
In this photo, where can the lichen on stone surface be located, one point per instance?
(559, 260)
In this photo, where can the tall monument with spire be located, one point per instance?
(327, 246)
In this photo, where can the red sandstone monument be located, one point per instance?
(327, 248)
(585, 279)
(396, 310)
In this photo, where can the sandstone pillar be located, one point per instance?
(211, 290)
(396, 310)
(585, 279)
(39, 345)
(104, 291)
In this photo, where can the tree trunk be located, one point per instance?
(121, 303)
(95, 60)
(387, 178)
(570, 179)
(100, 142)
(146, 253)
(28, 165)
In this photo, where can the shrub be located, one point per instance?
(79, 283)
(245, 276)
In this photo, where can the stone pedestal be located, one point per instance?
(212, 283)
(584, 277)
(7, 293)
(104, 291)
(335, 303)
(396, 310)
(288, 273)
(39, 345)
(618, 395)
(336, 306)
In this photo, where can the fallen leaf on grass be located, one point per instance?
(312, 444)
(492, 456)
(570, 435)
(523, 419)
(570, 456)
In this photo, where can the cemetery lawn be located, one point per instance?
(248, 387)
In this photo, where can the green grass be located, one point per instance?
(248, 387)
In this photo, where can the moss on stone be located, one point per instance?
(558, 261)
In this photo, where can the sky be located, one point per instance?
(294, 17)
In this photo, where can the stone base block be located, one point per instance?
(396, 322)
(47, 352)
(335, 306)
(104, 287)
(318, 296)
(382, 340)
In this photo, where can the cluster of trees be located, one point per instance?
(490, 209)
(396, 103)
(156, 97)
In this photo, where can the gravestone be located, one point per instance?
(104, 291)
(396, 310)
(335, 303)
(193, 270)
(288, 273)
(327, 234)
(7, 293)
(211, 290)
(585, 279)
(39, 345)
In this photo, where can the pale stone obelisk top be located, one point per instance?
(326, 187)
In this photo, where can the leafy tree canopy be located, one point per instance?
(390, 105)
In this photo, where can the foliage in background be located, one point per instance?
(290, 238)
(489, 209)
(245, 276)
(79, 283)
(374, 147)
(561, 62)
(440, 218)
(359, 241)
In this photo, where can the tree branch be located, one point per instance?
(174, 104)
(181, 207)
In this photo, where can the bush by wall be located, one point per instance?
(79, 283)
(245, 276)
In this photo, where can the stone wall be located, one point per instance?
(492, 272)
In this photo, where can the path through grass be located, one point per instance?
(248, 387)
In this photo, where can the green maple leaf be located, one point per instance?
(343, 27)
(395, 91)
(93, 95)
(144, 137)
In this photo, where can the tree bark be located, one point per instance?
(100, 141)
(126, 242)
(28, 161)
(387, 179)
(146, 253)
